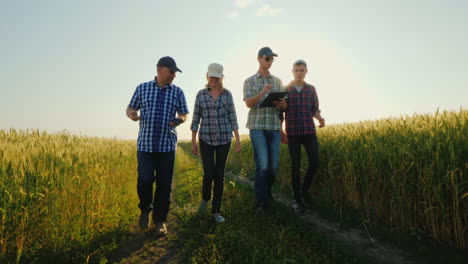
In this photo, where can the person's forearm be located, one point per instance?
(183, 117)
(250, 102)
(317, 115)
(132, 114)
(130, 111)
(194, 136)
(236, 134)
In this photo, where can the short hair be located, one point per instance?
(300, 62)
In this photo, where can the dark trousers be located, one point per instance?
(159, 167)
(214, 162)
(311, 147)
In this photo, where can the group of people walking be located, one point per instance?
(160, 106)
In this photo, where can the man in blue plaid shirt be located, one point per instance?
(158, 102)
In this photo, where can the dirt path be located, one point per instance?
(141, 247)
(144, 247)
(357, 239)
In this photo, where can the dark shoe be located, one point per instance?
(202, 207)
(307, 199)
(143, 222)
(298, 207)
(270, 197)
(260, 208)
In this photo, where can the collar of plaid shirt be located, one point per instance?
(155, 83)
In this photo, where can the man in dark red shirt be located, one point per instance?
(303, 107)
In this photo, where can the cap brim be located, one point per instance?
(269, 54)
(175, 69)
(216, 75)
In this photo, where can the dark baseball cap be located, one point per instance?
(267, 52)
(168, 62)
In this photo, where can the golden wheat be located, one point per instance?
(409, 172)
(59, 192)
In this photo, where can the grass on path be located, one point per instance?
(274, 237)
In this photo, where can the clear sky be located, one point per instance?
(74, 65)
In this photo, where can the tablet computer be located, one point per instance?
(274, 96)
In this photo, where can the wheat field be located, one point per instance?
(61, 194)
(409, 172)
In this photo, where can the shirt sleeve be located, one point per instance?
(135, 102)
(251, 90)
(196, 114)
(182, 108)
(247, 89)
(232, 113)
(315, 105)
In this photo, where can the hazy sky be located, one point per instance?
(74, 65)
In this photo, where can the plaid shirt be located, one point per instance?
(218, 117)
(301, 109)
(265, 118)
(158, 106)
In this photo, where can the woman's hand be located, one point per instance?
(238, 146)
(195, 149)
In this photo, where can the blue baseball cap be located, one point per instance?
(267, 52)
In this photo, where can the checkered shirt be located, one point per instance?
(218, 117)
(158, 106)
(265, 118)
(300, 111)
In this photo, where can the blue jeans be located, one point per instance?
(163, 164)
(266, 147)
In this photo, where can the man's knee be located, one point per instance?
(148, 180)
(314, 163)
(262, 170)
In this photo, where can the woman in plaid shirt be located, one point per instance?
(214, 111)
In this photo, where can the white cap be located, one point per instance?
(215, 70)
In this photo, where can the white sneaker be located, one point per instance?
(298, 207)
(161, 229)
(218, 218)
(203, 206)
